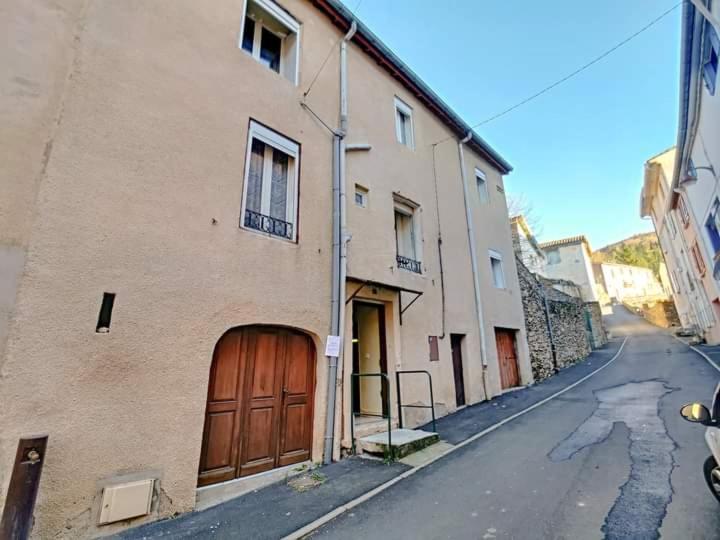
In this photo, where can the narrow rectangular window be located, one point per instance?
(270, 193)
(698, 258)
(248, 35)
(434, 349)
(270, 50)
(103, 323)
(405, 237)
(497, 270)
(404, 124)
(683, 211)
(481, 186)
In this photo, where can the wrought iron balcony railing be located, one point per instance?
(408, 264)
(270, 225)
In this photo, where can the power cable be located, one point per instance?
(322, 66)
(574, 73)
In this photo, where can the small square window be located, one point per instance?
(404, 124)
(270, 192)
(271, 36)
(482, 186)
(361, 196)
(496, 266)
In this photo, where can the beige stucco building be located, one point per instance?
(690, 300)
(571, 259)
(166, 246)
(686, 200)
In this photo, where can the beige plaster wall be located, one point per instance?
(149, 150)
(141, 197)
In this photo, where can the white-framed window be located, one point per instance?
(406, 236)
(361, 196)
(671, 225)
(404, 123)
(496, 265)
(482, 188)
(270, 194)
(272, 36)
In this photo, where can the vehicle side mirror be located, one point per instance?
(696, 412)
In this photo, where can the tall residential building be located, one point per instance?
(181, 188)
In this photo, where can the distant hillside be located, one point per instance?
(638, 250)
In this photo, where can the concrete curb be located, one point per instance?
(705, 356)
(310, 527)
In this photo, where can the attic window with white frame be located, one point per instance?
(404, 123)
(272, 36)
(406, 237)
(496, 265)
(481, 186)
(270, 194)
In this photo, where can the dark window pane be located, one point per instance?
(270, 50)
(248, 34)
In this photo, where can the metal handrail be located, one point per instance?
(399, 398)
(384, 379)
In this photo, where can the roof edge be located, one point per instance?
(342, 17)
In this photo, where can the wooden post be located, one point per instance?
(17, 517)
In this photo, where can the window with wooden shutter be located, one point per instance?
(683, 211)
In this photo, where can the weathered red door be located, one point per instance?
(507, 358)
(260, 403)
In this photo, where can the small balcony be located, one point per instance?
(267, 224)
(409, 264)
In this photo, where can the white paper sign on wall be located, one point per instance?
(332, 346)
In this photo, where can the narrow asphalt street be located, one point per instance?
(611, 458)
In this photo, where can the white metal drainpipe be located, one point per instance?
(340, 239)
(473, 261)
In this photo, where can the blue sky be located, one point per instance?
(577, 151)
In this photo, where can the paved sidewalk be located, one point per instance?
(278, 510)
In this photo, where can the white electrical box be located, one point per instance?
(125, 501)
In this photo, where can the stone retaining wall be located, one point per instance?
(551, 316)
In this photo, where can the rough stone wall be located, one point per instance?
(598, 331)
(538, 335)
(567, 321)
(661, 314)
(569, 331)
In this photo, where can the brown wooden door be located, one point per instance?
(507, 358)
(456, 346)
(260, 403)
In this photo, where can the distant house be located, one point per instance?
(526, 246)
(570, 259)
(623, 281)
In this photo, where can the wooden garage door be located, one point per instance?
(507, 358)
(260, 403)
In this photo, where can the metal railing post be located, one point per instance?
(432, 397)
(399, 401)
(384, 382)
(17, 517)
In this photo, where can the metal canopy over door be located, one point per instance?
(507, 358)
(456, 346)
(260, 403)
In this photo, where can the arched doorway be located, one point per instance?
(259, 412)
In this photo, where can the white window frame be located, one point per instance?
(282, 17)
(272, 140)
(363, 192)
(402, 108)
(482, 186)
(496, 256)
(412, 211)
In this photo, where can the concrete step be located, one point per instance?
(404, 442)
